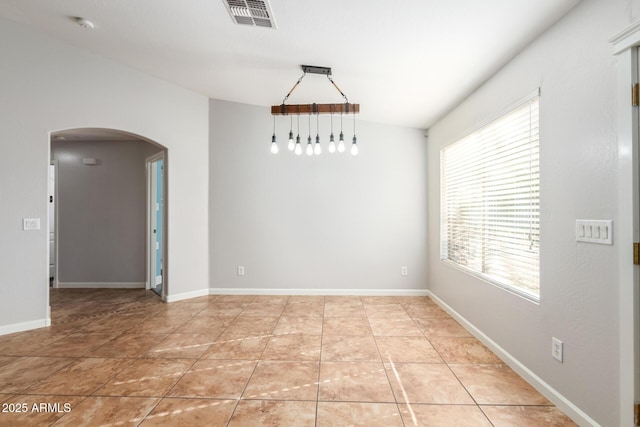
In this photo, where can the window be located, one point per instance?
(490, 201)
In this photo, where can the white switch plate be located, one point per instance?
(594, 231)
(241, 270)
(403, 270)
(29, 224)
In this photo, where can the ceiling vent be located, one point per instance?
(256, 13)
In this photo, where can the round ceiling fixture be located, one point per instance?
(85, 23)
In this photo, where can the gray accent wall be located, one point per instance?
(102, 210)
(321, 224)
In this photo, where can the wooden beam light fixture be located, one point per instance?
(285, 109)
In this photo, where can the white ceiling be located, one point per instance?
(406, 62)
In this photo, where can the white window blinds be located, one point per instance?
(490, 201)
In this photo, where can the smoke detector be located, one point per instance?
(255, 13)
(84, 23)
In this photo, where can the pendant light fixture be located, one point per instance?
(309, 146)
(317, 109)
(332, 143)
(317, 150)
(274, 146)
(292, 143)
(354, 143)
(298, 149)
(341, 138)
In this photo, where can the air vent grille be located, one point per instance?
(256, 13)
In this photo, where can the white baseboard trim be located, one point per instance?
(102, 285)
(311, 292)
(186, 295)
(543, 387)
(25, 326)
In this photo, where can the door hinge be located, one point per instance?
(635, 95)
(636, 253)
(636, 410)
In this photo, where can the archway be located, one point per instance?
(101, 216)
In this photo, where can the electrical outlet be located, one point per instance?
(403, 270)
(557, 349)
(241, 270)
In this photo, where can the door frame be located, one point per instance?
(150, 241)
(625, 47)
(56, 228)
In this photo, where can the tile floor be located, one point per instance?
(122, 357)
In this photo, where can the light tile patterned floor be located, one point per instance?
(122, 357)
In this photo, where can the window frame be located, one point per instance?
(445, 242)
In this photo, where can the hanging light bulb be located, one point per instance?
(354, 142)
(341, 146)
(317, 150)
(298, 148)
(332, 145)
(332, 142)
(292, 144)
(309, 145)
(274, 145)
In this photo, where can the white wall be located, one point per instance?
(574, 67)
(48, 86)
(326, 224)
(102, 211)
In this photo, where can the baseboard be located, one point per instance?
(543, 387)
(25, 326)
(102, 285)
(336, 292)
(186, 295)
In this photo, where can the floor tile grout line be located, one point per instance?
(320, 363)
(390, 383)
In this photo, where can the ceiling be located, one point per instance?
(405, 62)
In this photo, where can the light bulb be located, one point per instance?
(274, 146)
(317, 149)
(341, 146)
(292, 144)
(298, 150)
(354, 147)
(332, 144)
(309, 147)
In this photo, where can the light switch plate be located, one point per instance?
(594, 231)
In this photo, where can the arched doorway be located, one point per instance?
(101, 227)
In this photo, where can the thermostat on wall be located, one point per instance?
(29, 224)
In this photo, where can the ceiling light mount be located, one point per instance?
(312, 69)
